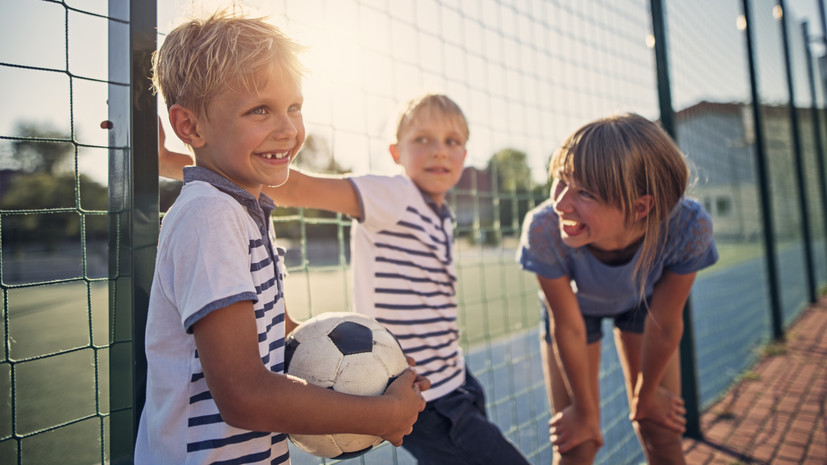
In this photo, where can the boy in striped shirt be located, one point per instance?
(216, 391)
(405, 275)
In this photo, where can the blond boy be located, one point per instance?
(404, 272)
(216, 391)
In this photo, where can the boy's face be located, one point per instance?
(250, 137)
(432, 152)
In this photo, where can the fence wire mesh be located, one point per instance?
(526, 73)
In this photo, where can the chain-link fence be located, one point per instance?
(80, 195)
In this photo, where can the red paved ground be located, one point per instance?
(776, 414)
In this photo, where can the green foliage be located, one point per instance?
(39, 185)
(43, 191)
(511, 169)
(316, 156)
(40, 151)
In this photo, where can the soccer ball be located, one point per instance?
(349, 353)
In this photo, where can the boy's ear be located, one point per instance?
(185, 124)
(394, 150)
(643, 205)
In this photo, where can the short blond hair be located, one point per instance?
(438, 103)
(201, 57)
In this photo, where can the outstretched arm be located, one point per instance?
(170, 164)
(652, 399)
(306, 190)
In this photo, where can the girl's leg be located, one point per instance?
(560, 397)
(661, 445)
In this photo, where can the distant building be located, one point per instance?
(472, 198)
(719, 141)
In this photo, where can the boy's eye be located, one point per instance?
(453, 142)
(295, 107)
(258, 111)
(421, 140)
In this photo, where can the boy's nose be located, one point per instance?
(285, 128)
(439, 149)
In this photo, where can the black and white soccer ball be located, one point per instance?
(349, 353)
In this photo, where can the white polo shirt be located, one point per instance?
(405, 276)
(215, 249)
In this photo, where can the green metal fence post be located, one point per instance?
(763, 179)
(819, 155)
(134, 218)
(144, 186)
(689, 372)
(798, 154)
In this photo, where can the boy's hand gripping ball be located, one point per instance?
(349, 353)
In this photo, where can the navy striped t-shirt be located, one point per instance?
(405, 275)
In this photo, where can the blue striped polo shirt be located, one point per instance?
(405, 276)
(215, 249)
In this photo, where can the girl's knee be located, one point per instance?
(583, 454)
(660, 444)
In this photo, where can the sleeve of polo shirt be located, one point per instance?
(209, 255)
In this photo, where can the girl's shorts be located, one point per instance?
(630, 320)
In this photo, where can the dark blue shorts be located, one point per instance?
(455, 430)
(630, 320)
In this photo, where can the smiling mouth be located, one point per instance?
(572, 228)
(276, 155)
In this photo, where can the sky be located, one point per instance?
(525, 72)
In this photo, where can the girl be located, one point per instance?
(617, 240)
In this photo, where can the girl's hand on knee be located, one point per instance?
(570, 428)
(665, 408)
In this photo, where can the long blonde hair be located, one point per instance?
(619, 159)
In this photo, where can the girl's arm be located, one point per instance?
(569, 337)
(661, 337)
(250, 396)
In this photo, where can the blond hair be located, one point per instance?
(201, 57)
(621, 158)
(434, 103)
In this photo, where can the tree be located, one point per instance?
(510, 166)
(40, 182)
(516, 188)
(316, 156)
(40, 149)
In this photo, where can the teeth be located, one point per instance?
(277, 156)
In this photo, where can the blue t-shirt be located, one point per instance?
(605, 290)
